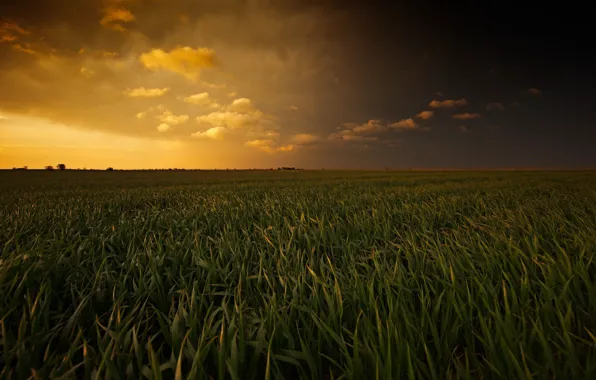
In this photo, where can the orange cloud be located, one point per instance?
(268, 146)
(8, 38)
(425, 115)
(466, 116)
(171, 119)
(185, 61)
(448, 103)
(534, 91)
(215, 133)
(10, 32)
(404, 124)
(163, 127)
(24, 48)
(114, 16)
(146, 92)
(202, 99)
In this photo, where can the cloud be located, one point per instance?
(25, 48)
(170, 118)
(141, 115)
(425, 115)
(113, 17)
(293, 107)
(304, 139)
(268, 146)
(10, 32)
(163, 127)
(8, 38)
(494, 106)
(201, 99)
(404, 124)
(240, 114)
(215, 133)
(466, 116)
(369, 127)
(185, 61)
(143, 92)
(242, 105)
(14, 27)
(448, 103)
(534, 91)
(86, 72)
(232, 120)
(348, 135)
(464, 129)
(232, 94)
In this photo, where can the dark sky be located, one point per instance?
(326, 83)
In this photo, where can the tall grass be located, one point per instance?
(302, 275)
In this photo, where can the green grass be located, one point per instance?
(321, 275)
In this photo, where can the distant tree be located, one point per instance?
(61, 167)
(110, 169)
(49, 167)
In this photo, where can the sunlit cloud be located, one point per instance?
(404, 124)
(10, 32)
(114, 18)
(293, 107)
(425, 115)
(86, 72)
(466, 116)
(141, 115)
(163, 127)
(240, 114)
(369, 127)
(185, 61)
(215, 133)
(146, 92)
(170, 118)
(25, 48)
(448, 103)
(268, 146)
(202, 99)
(242, 105)
(494, 106)
(349, 135)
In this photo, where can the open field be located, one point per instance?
(320, 275)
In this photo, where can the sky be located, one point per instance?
(311, 84)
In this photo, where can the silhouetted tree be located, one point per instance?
(110, 169)
(61, 167)
(49, 167)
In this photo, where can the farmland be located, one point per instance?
(321, 275)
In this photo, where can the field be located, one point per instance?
(320, 275)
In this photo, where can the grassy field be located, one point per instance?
(320, 275)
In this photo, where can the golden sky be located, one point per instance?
(131, 83)
(250, 83)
